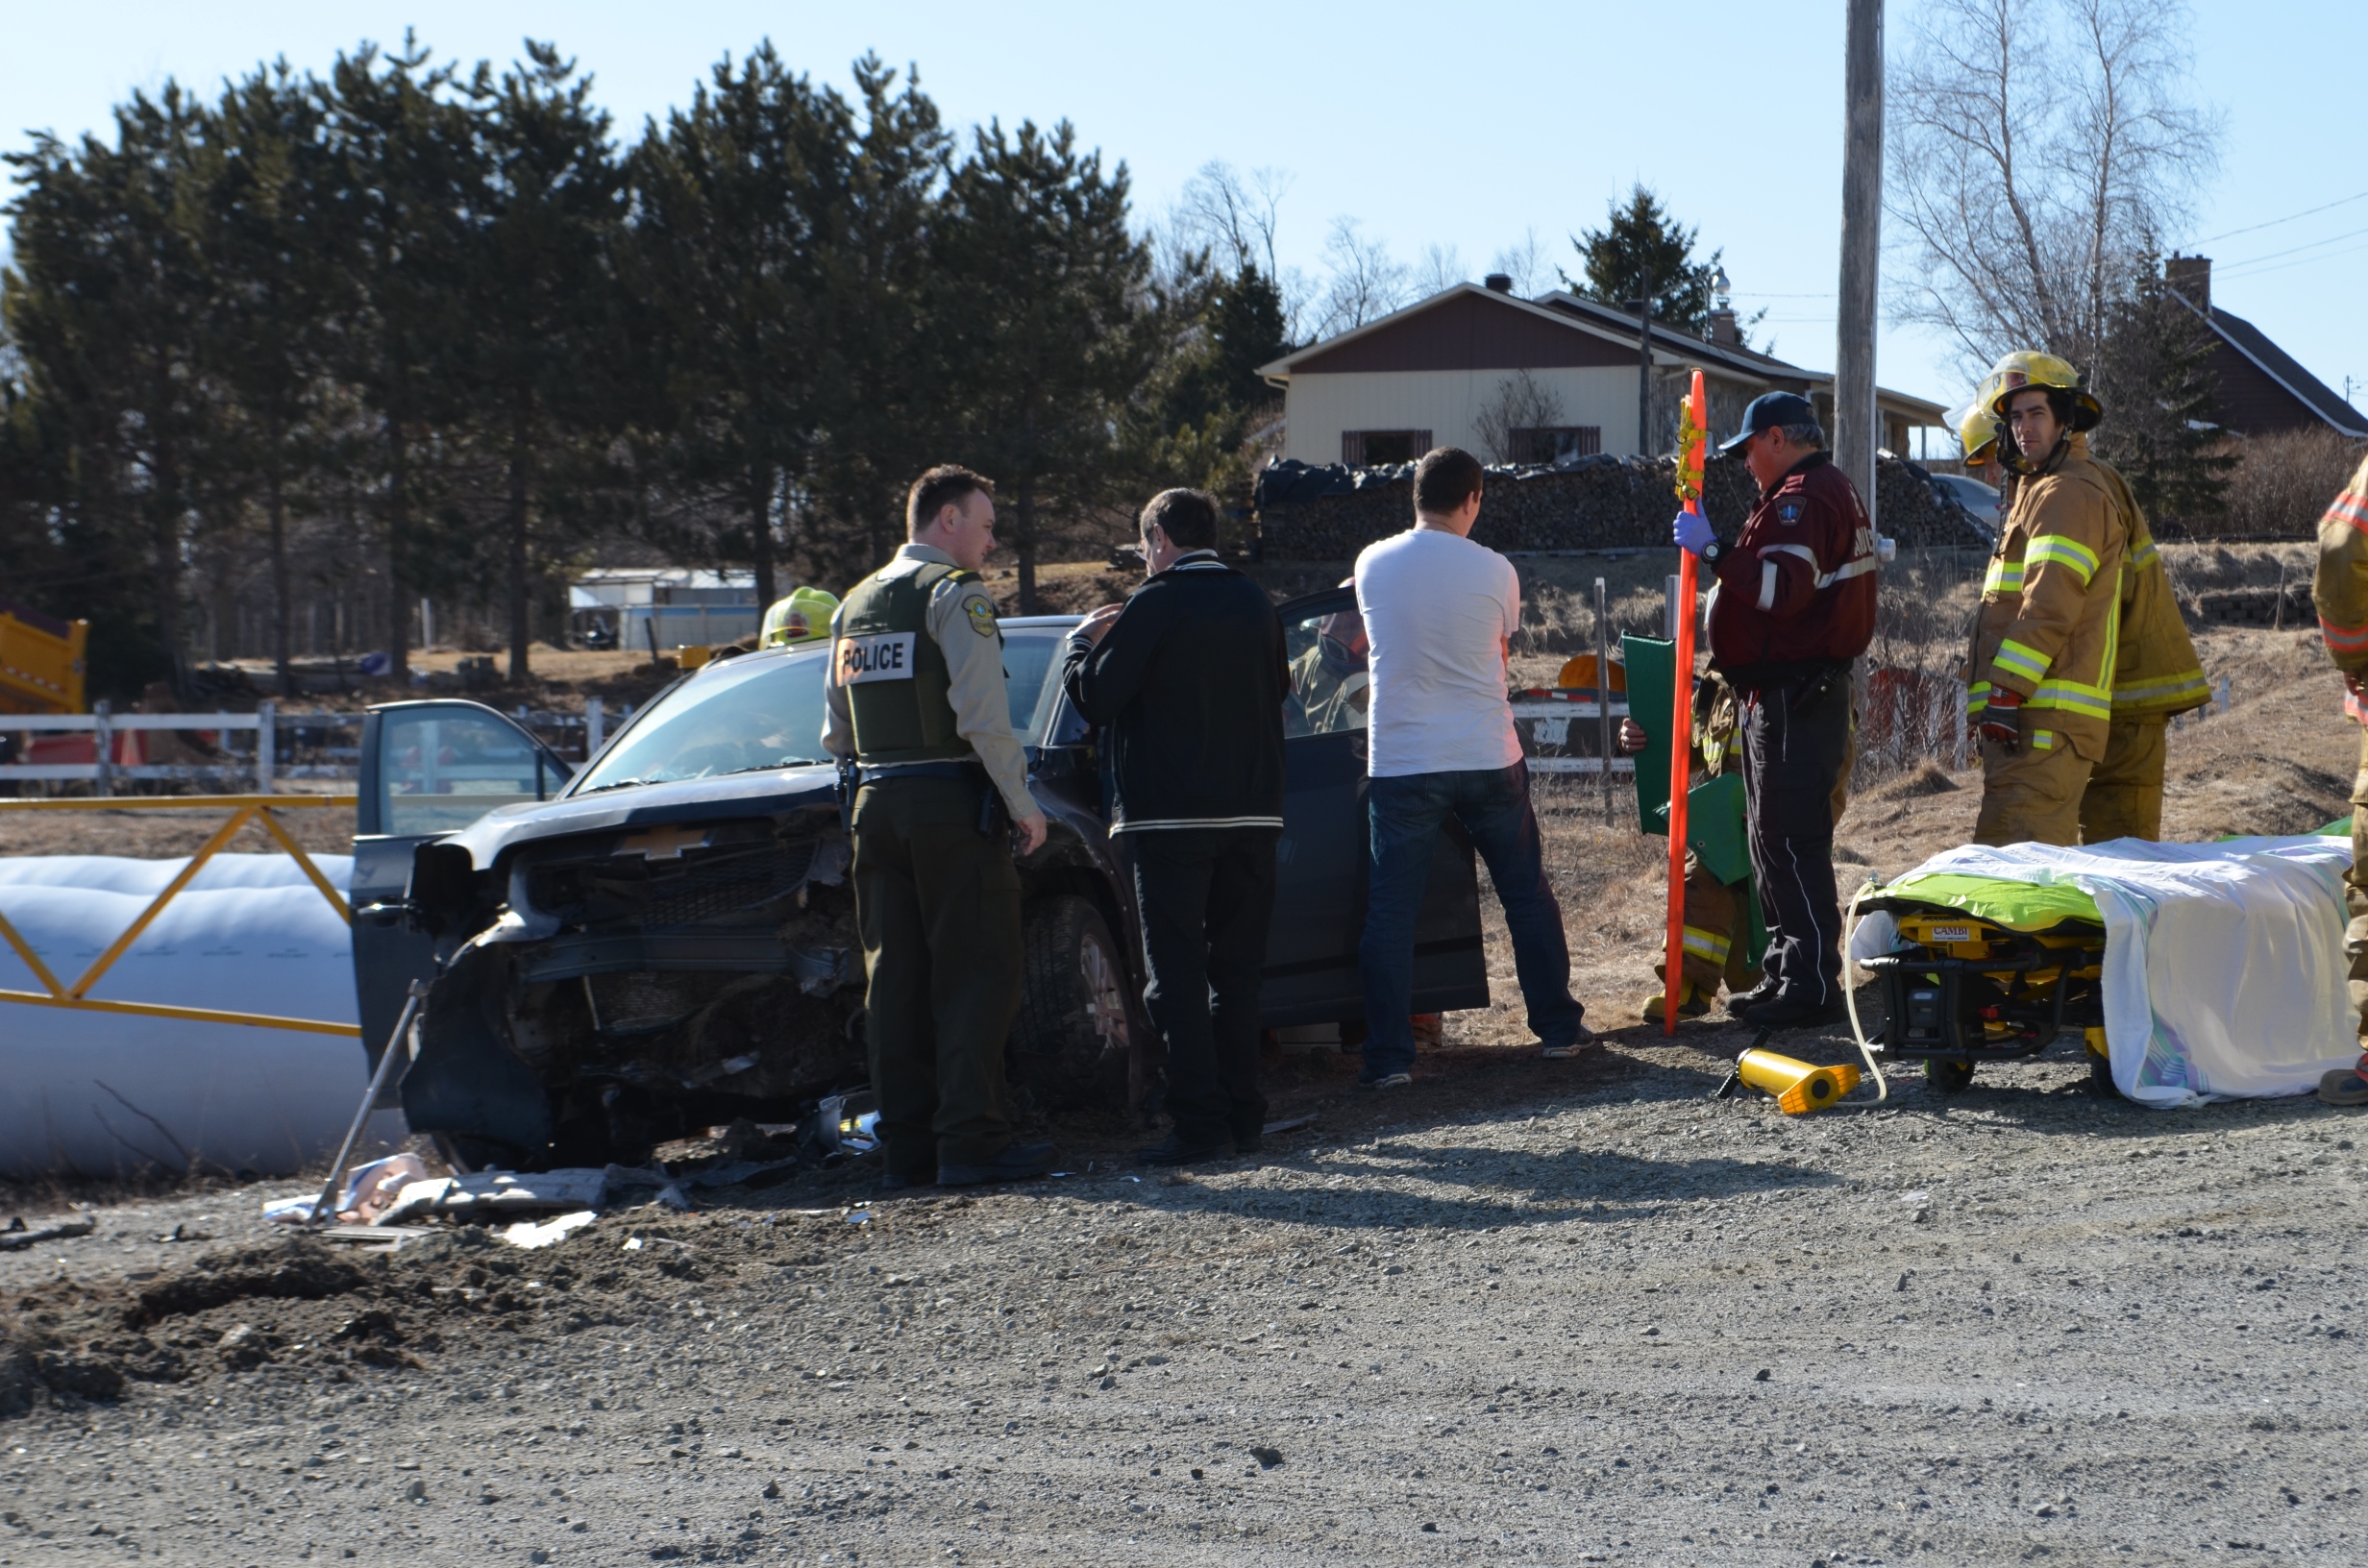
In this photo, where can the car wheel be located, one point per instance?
(1075, 1028)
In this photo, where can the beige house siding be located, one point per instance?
(1447, 403)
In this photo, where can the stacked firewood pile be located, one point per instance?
(1310, 513)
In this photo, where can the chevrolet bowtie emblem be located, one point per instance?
(663, 842)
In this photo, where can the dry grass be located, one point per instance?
(2283, 482)
(165, 834)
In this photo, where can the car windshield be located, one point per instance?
(765, 710)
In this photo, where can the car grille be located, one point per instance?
(728, 887)
(641, 1001)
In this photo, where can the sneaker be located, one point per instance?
(2344, 1087)
(1018, 1163)
(1759, 995)
(1691, 1004)
(1387, 1080)
(1578, 1045)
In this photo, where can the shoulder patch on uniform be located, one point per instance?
(1789, 512)
(982, 616)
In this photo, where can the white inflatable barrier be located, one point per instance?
(93, 1093)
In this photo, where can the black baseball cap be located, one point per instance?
(1769, 410)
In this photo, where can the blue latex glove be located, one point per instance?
(1692, 532)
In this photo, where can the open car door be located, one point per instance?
(428, 770)
(1322, 864)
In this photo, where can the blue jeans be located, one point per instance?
(1406, 811)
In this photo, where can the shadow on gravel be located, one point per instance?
(1555, 1189)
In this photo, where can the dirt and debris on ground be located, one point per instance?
(1561, 1311)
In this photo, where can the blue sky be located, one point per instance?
(1429, 125)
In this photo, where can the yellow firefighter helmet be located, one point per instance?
(1977, 427)
(2028, 368)
(800, 617)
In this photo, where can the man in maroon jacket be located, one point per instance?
(1794, 605)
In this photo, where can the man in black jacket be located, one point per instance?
(1187, 680)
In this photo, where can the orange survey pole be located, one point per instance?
(1693, 427)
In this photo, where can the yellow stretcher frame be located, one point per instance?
(259, 809)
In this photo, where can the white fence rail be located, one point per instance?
(579, 736)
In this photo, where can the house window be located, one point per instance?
(1367, 449)
(1547, 443)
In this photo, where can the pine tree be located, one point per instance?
(1641, 245)
(277, 276)
(104, 305)
(406, 164)
(737, 204)
(896, 405)
(2154, 377)
(538, 282)
(1042, 314)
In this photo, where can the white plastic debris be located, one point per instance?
(499, 1191)
(526, 1234)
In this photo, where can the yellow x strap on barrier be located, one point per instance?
(260, 809)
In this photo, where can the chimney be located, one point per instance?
(2191, 277)
(1498, 282)
(1723, 328)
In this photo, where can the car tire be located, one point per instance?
(1075, 1032)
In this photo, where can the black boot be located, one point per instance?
(1018, 1163)
(1176, 1149)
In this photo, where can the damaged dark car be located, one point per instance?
(664, 939)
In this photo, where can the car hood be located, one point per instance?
(647, 805)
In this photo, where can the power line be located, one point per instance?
(2288, 218)
(2304, 261)
(2235, 267)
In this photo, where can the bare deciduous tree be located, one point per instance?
(1225, 210)
(1440, 269)
(1520, 403)
(2041, 152)
(1365, 283)
(1525, 263)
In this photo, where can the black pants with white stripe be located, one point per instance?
(1796, 737)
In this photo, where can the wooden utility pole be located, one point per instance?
(1856, 424)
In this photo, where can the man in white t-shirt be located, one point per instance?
(1439, 610)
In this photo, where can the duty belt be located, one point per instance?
(968, 770)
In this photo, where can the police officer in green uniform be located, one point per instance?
(916, 700)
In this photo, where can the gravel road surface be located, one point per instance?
(1563, 1313)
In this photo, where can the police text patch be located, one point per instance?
(982, 616)
(887, 655)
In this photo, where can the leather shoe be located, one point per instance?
(1018, 1163)
(1798, 1012)
(1176, 1149)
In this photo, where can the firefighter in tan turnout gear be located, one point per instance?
(2046, 644)
(916, 700)
(2156, 675)
(2341, 592)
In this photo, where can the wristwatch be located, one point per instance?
(1712, 551)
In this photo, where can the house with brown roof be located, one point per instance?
(1432, 374)
(2261, 387)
